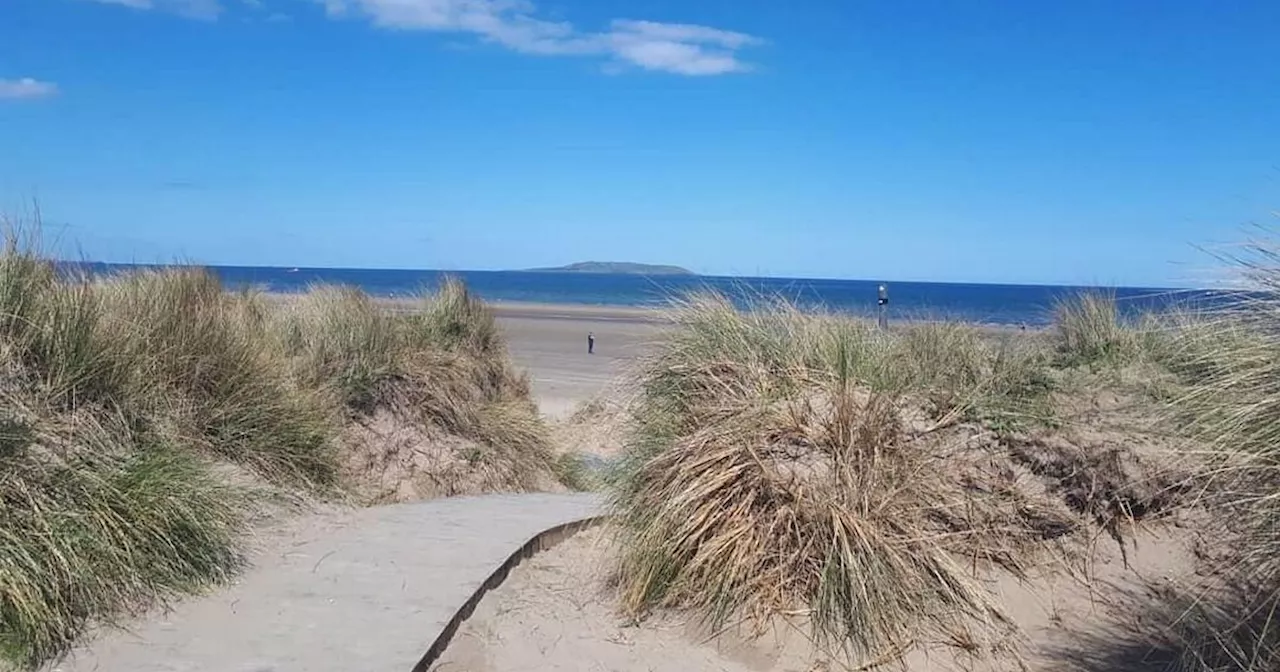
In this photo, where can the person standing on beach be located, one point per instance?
(591, 343)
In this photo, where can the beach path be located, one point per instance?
(366, 589)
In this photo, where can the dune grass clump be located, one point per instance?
(1090, 331)
(202, 366)
(1000, 381)
(455, 319)
(100, 509)
(1229, 365)
(456, 323)
(443, 366)
(96, 524)
(338, 338)
(773, 470)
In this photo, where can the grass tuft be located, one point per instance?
(776, 466)
(1090, 331)
(455, 319)
(1228, 363)
(98, 519)
(1002, 381)
(339, 339)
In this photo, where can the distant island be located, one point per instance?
(622, 267)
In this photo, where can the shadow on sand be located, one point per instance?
(1162, 627)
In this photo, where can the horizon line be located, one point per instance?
(442, 271)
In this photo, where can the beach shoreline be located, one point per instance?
(658, 314)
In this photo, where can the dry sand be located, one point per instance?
(555, 612)
(338, 590)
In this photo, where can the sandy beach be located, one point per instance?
(550, 342)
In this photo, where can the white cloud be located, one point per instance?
(680, 48)
(668, 47)
(26, 89)
(679, 32)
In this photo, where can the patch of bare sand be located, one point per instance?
(390, 458)
(595, 428)
(557, 612)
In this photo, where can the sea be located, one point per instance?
(994, 304)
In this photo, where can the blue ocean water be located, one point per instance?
(980, 303)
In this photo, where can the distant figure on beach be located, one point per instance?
(591, 343)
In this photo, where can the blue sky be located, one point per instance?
(1095, 141)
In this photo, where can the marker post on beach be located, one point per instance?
(882, 300)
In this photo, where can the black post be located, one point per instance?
(883, 301)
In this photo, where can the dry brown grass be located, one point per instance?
(439, 375)
(1090, 330)
(1228, 363)
(792, 464)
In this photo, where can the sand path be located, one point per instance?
(350, 590)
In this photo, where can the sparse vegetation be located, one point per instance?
(142, 414)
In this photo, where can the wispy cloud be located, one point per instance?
(680, 48)
(516, 25)
(667, 47)
(26, 88)
(198, 9)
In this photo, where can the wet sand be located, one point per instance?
(550, 342)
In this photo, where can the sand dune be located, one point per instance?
(558, 611)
